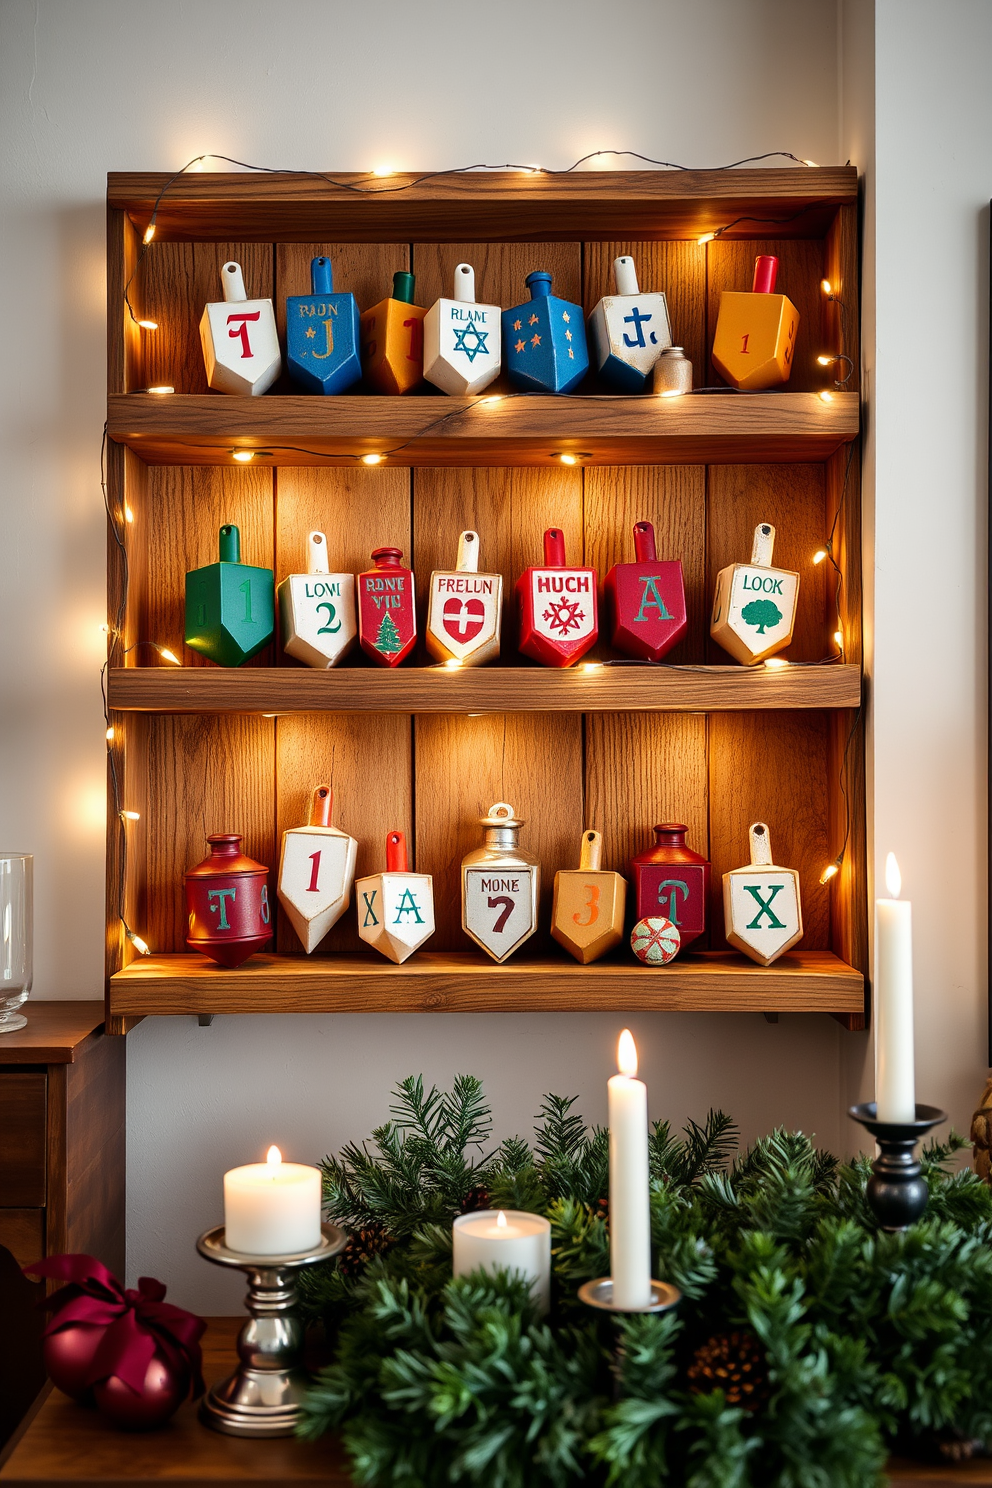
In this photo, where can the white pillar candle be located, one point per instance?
(272, 1208)
(895, 1084)
(505, 1239)
(630, 1213)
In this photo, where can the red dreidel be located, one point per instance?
(387, 616)
(672, 882)
(557, 607)
(647, 600)
(227, 896)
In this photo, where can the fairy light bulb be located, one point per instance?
(825, 361)
(128, 514)
(826, 286)
(826, 396)
(831, 871)
(149, 233)
(110, 734)
(776, 663)
(705, 238)
(383, 170)
(372, 459)
(819, 555)
(243, 457)
(839, 639)
(813, 163)
(160, 390)
(141, 946)
(148, 325)
(168, 655)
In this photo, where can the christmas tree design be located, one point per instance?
(388, 639)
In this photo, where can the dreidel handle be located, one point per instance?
(761, 846)
(591, 851)
(230, 543)
(321, 276)
(554, 548)
(464, 282)
(396, 854)
(765, 274)
(404, 286)
(320, 806)
(644, 548)
(468, 553)
(233, 283)
(763, 545)
(317, 553)
(625, 273)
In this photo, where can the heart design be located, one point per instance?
(463, 619)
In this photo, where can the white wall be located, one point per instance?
(117, 85)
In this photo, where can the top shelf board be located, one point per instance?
(485, 206)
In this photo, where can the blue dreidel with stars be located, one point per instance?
(628, 331)
(544, 342)
(322, 335)
(461, 339)
(230, 609)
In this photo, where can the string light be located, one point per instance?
(452, 664)
(820, 554)
(141, 946)
(167, 655)
(826, 361)
(825, 396)
(149, 232)
(672, 393)
(567, 457)
(531, 170)
(776, 663)
(130, 815)
(812, 163)
(706, 238)
(110, 734)
(827, 287)
(372, 459)
(839, 639)
(128, 515)
(380, 170)
(831, 870)
(147, 325)
(160, 390)
(493, 398)
(243, 457)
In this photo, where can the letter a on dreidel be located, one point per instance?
(587, 914)
(316, 871)
(754, 608)
(762, 908)
(239, 339)
(396, 908)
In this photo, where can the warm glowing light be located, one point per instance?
(825, 396)
(893, 878)
(105, 629)
(372, 459)
(493, 398)
(162, 389)
(706, 238)
(168, 655)
(672, 393)
(839, 639)
(819, 555)
(149, 233)
(383, 170)
(831, 871)
(131, 815)
(110, 734)
(568, 459)
(826, 286)
(592, 666)
(776, 663)
(243, 457)
(148, 325)
(452, 664)
(826, 361)
(501, 1221)
(274, 1157)
(811, 162)
(627, 1054)
(531, 170)
(139, 945)
(128, 514)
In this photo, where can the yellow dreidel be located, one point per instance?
(316, 872)
(762, 908)
(755, 337)
(587, 915)
(754, 608)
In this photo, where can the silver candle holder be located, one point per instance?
(599, 1294)
(264, 1395)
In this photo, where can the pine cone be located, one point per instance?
(733, 1363)
(476, 1198)
(362, 1245)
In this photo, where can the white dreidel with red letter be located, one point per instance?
(464, 609)
(316, 872)
(317, 610)
(395, 908)
(239, 339)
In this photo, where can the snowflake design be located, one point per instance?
(563, 615)
(480, 345)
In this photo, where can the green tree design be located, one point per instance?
(761, 612)
(388, 639)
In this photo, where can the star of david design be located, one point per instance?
(311, 333)
(516, 325)
(520, 346)
(481, 341)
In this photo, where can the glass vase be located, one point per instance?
(16, 937)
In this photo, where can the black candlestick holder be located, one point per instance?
(896, 1191)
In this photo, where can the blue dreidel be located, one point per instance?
(544, 342)
(628, 331)
(322, 335)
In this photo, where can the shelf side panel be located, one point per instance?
(841, 315)
(678, 269)
(801, 269)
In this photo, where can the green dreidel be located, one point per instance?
(230, 611)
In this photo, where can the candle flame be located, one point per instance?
(501, 1220)
(273, 1157)
(893, 878)
(627, 1053)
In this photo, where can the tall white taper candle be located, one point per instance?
(630, 1214)
(895, 1084)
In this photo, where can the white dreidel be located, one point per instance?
(762, 907)
(239, 338)
(395, 908)
(462, 339)
(317, 610)
(754, 608)
(628, 331)
(500, 886)
(316, 872)
(464, 609)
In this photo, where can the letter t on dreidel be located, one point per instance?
(587, 914)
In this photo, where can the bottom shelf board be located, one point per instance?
(467, 982)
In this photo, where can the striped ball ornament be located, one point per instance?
(655, 941)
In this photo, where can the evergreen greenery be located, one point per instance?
(866, 1342)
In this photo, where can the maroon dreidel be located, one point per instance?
(227, 896)
(387, 617)
(557, 607)
(672, 881)
(647, 600)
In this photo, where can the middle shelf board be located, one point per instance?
(451, 981)
(590, 688)
(741, 428)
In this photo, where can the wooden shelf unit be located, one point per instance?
(198, 748)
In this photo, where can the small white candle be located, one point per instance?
(630, 1214)
(505, 1239)
(272, 1208)
(895, 1085)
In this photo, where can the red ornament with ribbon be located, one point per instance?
(129, 1352)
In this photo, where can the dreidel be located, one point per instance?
(316, 872)
(322, 334)
(628, 331)
(230, 612)
(646, 600)
(500, 886)
(461, 339)
(754, 607)
(387, 615)
(317, 610)
(762, 906)
(239, 339)
(755, 338)
(464, 609)
(395, 908)
(559, 618)
(544, 342)
(392, 335)
(672, 882)
(587, 913)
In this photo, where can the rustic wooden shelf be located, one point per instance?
(698, 429)
(465, 981)
(598, 689)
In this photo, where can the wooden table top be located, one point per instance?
(62, 1442)
(55, 1033)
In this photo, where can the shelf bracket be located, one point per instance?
(204, 1020)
